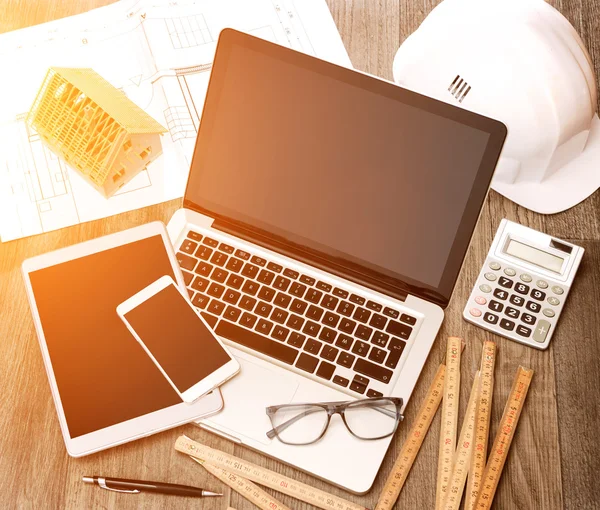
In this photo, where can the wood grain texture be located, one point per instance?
(555, 456)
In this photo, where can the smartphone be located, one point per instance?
(177, 339)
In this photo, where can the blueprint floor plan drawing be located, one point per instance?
(159, 53)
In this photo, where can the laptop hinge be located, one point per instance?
(310, 259)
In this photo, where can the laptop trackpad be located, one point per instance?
(248, 394)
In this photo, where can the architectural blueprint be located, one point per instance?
(159, 53)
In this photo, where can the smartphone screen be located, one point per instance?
(179, 341)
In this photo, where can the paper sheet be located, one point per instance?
(159, 52)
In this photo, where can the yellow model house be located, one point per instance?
(95, 127)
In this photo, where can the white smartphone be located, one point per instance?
(177, 339)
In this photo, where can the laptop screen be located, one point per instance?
(341, 166)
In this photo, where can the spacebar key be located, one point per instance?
(257, 342)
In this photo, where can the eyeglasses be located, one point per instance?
(301, 424)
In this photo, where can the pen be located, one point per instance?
(137, 486)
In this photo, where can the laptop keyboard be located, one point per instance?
(342, 338)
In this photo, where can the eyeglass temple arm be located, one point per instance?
(280, 428)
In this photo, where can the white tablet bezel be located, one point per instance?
(140, 426)
(203, 386)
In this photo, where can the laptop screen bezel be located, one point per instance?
(324, 257)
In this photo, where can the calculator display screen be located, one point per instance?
(534, 256)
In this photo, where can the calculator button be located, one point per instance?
(528, 319)
(480, 300)
(521, 288)
(526, 277)
(542, 284)
(509, 271)
(538, 294)
(506, 324)
(500, 294)
(523, 331)
(495, 266)
(533, 306)
(507, 283)
(553, 301)
(513, 313)
(490, 318)
(494, 305)
(548, 313)
(490, 276)
(485, 288)
(516, 300)
(475, 312)
(541, 331)
(557, 290)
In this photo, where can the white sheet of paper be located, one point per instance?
(159, 52)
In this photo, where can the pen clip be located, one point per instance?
(102, 483)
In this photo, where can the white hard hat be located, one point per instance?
(521, 62)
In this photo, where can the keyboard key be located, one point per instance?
(188, 247)
(341, 293)
(361, 315)
(194, 235)
(507, 283)
(231, 296)
(235, 281)
(328, 335)
(280, 333)
(324, 286)
(528, 319)
(374, 394)
(408, 319)
(290, 273)
(204, 268)
(297, 289)
(372, 370)
(538, 294)
(247, 303)
(501, 294)
(248, 320)
(358, 386)
(313, 295)
(377, 355)
(282, 283)
(346, 359)
(377, 321)
(496, 306)
(325, 370)
(380, 339)
(342, 381)
(521, 288)
(200, 284)
(185, 261)
(210, 319)
(216, 307)
(392, 313)
(347, 326)
(345, 308)
(307, 363)
(506, 324)
(314, 312)
(311, 328)
(226, 248)
(232, 313)
(296, 339)
(307, 279)
(513, 313)
(312, 346)
(266, 277)
(210, 242)
(282, 300)
(219, 259)
(215, 290)
(274, 267)
(187, 277)
(250, 287)
(374, 306)
(203, 252)
(516, 300)
(533, 306)
(398, 329)
(329, 302)
(357, 299)
(263, 309)
(523, 331)
(331, 319)
(279, 315)
(266, 293)
(250, 270)
(295, 322)
(264, 326)
(329, 353)
(234, 265)
(490, 318)
(344, 341)
(363, 332)
(219, 275)
(298, 306)
(257, 342)
(244, 255)
(396, 349)
(360, 348)
(200, 301)
(258, 261)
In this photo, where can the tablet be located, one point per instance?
(106, 389)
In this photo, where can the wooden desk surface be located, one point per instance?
(555, 459)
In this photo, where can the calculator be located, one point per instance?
(522, 287)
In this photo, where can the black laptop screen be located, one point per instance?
(354, 169)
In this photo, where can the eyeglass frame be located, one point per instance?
(331, 408)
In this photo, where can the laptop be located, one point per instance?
(324, 224)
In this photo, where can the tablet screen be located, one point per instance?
(103, 375)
